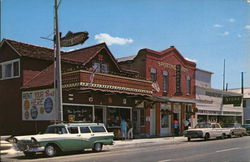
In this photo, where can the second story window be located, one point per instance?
(100, 67)
(10, 69)
(153, 74)
(165, 81)
(188, 85)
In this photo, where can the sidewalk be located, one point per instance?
(146, 142)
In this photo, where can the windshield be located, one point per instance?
(56, 130)
(203, 125)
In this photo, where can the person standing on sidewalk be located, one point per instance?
(130, 130)
(176, 127)
(124, 128)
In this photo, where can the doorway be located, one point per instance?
(165, 119)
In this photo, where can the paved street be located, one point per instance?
(159, 150)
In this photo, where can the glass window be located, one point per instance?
(244, 102)
(188, 85)
(1, 72)
(142, 117)
(165, 81)
(16, 68)
(96, 129)
(153, 74)
(104, 68)
(56, 130)
(8, 70)
(97, 67)
(85, 130)
(114, 116)
(73, 130)
(78, 113)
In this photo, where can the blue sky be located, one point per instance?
(207, 31)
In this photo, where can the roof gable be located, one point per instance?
(28, 50)
(85, 55)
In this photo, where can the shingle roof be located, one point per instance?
(33, 51)
(127, 58)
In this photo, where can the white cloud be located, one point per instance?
(247, 27)
(190, 60)
(225, 33)
(231, 20)
(104, 37)
(217, 26)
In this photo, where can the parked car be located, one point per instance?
(235, 129)
(206, 131)
(65, 137)
(247, 127)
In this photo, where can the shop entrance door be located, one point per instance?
(152, 122)
(98, 114)
(165, 119)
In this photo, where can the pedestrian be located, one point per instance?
(124, 129)
(130, 130)
(176, 127)
(186, 124)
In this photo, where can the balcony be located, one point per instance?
(80, 80)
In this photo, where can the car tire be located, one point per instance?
(189, 138)
(50, 150)
(29, 154)
(97, 147)
(223, 136)
(206, 136)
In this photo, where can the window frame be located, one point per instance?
(165, 75)
(188, 85)
(153, 74)
(3, 69)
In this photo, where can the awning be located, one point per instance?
(163, 99)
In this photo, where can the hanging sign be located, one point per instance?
(72, 39)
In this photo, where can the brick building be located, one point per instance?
(26, 83)
(173, 99)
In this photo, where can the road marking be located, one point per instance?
(230, 149)
(165, 160)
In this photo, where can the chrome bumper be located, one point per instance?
(28, 148)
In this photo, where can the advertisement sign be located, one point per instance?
(235, 100)
(38, 105)
(72, 39)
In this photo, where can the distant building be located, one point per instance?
(214, 104)
(246, 103)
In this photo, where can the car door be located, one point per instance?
(85, 135)
(73, 140)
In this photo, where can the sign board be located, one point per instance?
(72, 39)
(235, 100)
(39, 105)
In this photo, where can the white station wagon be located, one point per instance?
(65, 137)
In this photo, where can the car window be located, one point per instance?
(73, 130)
(56, 130)
(85, 130)
(96, 129)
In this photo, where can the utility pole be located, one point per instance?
(224, 75)
(57, 67)
(242, 83)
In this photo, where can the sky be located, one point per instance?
(205, 31)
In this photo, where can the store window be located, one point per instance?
(115, 115)
(78, 113)
(153, 74)
(188, 85)
(188, 111)
(142, 117)
(165, 81)
(9, 69)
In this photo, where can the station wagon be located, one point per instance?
(65, 137)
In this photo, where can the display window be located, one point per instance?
(115, 115)
(78, 113)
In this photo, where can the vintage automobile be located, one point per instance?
(65, 137)
(247, 127)
(206, 131)
(235, 129)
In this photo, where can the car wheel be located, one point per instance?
(206, 137)
(98, 147)
(223, 136)
(29, 154)
(50, 150)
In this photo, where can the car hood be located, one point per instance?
(197, 129)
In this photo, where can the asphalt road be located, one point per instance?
(227, 150)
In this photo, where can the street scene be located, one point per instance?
(124, 81)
